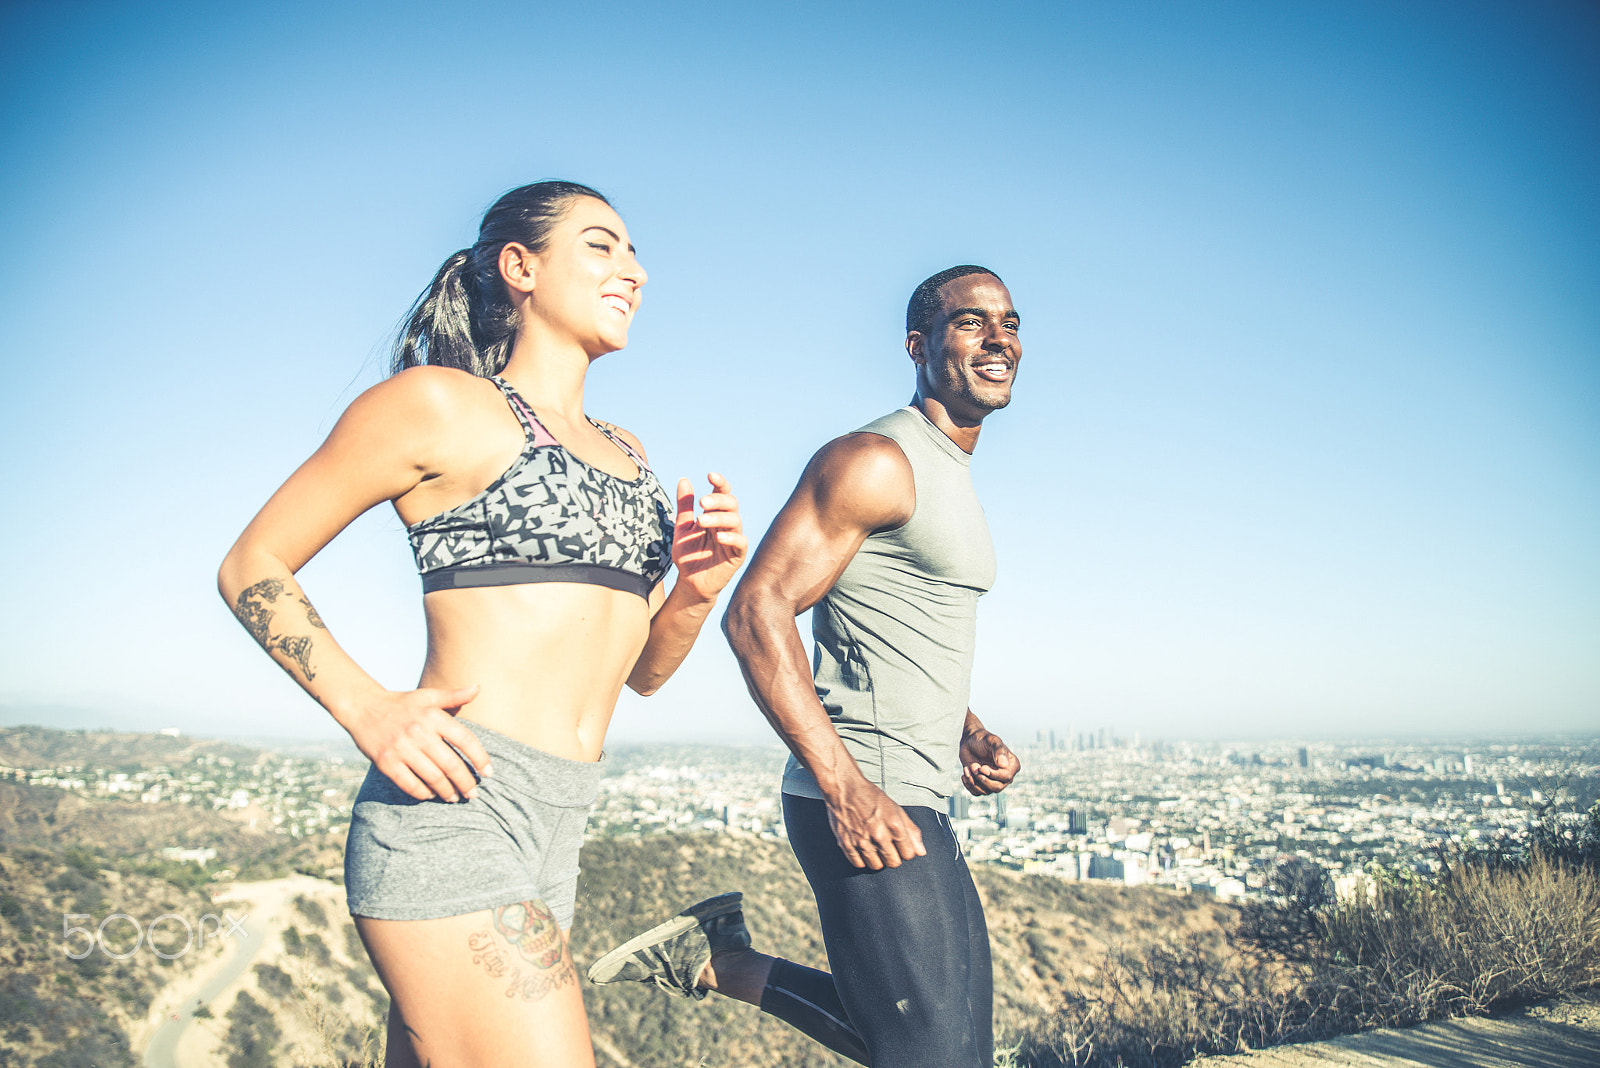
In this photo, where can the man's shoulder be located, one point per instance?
(864, 454)
(876, 448)
(865, 476)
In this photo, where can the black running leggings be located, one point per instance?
(911, 984)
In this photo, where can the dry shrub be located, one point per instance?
(1482, 937)
(340, 1045)
(1162, 1005)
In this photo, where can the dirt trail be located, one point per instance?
(1564, 1033)
(169, 1041)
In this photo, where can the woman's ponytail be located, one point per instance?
(465, 318)
(438, 328)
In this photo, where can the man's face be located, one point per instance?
(968, 358)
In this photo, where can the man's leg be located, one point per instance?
(980, 971)
(907, 945)
(912, 938)
(706, 947)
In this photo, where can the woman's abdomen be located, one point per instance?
(549, 658)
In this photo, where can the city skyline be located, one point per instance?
(1191, 817)
(1304, 441)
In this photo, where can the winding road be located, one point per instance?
(162, 1052)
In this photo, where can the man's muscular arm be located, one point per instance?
(854, 486)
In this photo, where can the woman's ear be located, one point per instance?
(517, 267)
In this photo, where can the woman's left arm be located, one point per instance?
(707, 549)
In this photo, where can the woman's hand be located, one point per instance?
(708, 548)
(408, 737)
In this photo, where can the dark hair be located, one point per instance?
(925, 298)
(465, 319)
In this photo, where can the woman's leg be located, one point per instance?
(489, 988)
(397, 1051)
(493, 984)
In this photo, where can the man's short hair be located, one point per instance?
(925, 298)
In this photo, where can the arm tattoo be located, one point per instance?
(529, 952)
(311, 615)
(297, 649)
(251, 608)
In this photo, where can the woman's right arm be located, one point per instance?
(384, 445)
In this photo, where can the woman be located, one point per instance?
(543, 539)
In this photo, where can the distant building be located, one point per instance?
(960, 806)
(194, 856)
(1302, 757)
(1229, 889)
(1103, 867)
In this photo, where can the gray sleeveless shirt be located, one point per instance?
(895, 635)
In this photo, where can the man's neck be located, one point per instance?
(962, 431)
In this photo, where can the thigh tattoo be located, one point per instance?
(529, 953)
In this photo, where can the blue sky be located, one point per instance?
(1306, 439)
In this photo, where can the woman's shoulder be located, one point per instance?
(419, 413)
(428, 395)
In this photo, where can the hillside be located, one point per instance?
(66, 853)
(127, 833)
(68, 860)
(57, 1012)
(37, 747)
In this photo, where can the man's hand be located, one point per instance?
(872, 830)
(987, 765)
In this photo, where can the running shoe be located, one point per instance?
(673, 954)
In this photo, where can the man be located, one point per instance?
(885, 538)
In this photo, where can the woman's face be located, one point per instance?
(587, 283)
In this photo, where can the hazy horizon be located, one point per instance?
(71, 719)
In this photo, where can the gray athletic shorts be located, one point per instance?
(518, 840)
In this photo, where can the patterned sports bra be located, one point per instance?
(550, 518)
